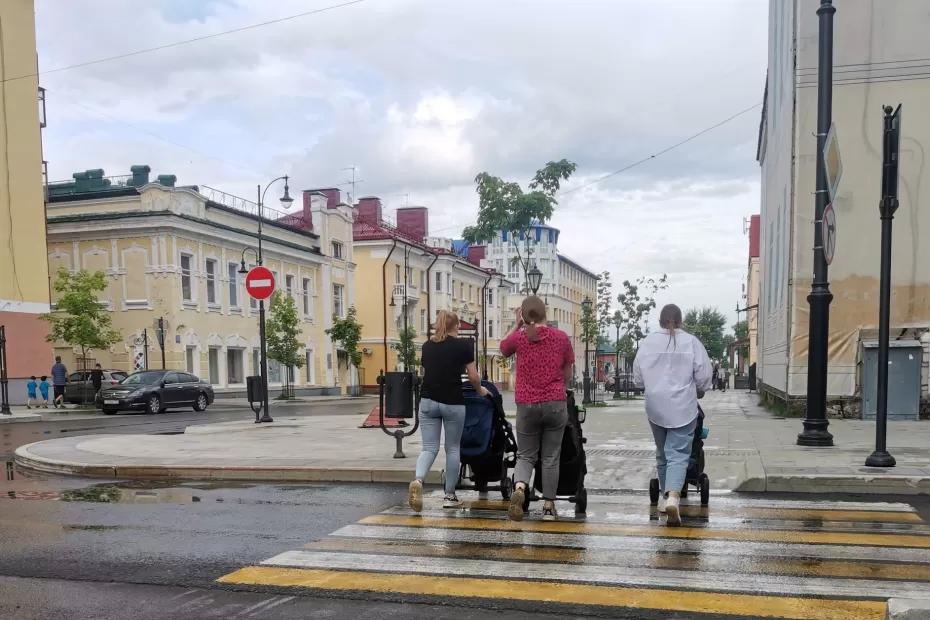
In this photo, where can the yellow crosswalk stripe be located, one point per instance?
(757, 606)
(658, 531)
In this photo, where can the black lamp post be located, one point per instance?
(286, 202)
(586, 380)
(617, 364)
(534, 278)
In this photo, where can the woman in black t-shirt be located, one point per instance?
(442, 404)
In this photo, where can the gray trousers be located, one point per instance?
(540, 426)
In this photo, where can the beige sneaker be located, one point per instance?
(415, 495)
(672, 514)
(661, 506)
(516, 503)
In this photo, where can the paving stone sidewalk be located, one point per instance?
(747, 450)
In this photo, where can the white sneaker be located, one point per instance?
(451, 501)
(661, 505)
(672, 514)
(415, 495)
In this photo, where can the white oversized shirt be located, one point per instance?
(671, 370)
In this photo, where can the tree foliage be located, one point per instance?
(741, 334)
(588, 322)
(503, 205)
(347, 332)
(605, 302)
(79, 319)
(707, 324)
(281, 333)
(637, 301)
(407, 348)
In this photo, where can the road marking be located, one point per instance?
(757, 606)
(658, 531)
(800, 567)
(639, 500)
(634, 543)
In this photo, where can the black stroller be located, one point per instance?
(489, 448)
(695, 476)
(572, 462)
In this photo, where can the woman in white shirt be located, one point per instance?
(673, 368)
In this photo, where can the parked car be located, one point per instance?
(155, 391)
(78, 381)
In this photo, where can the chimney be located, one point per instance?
(168, 180)
(333, 195)
(476, 254)
(140, 175)
(369, 209)
(307, 211)
(413, 221)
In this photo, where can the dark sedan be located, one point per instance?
(155, 391)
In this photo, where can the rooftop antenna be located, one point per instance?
(353, 182)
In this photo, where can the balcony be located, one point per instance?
(397, 295)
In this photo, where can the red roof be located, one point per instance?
(754, 225)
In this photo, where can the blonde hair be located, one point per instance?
(533, 310)
(670, 319)
(447, 323)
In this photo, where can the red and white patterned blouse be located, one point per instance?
(540, 376)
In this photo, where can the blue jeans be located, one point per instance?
(433, 417)
(673, 451)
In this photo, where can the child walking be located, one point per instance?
(43, 390)
(31, 395)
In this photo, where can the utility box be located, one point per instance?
(905, 358)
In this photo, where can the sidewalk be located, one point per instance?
(747, 450)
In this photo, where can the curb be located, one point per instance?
(908, 609)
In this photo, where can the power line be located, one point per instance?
(185, 41)
(663, 151)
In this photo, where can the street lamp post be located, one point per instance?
(160, 336)
(586, 379)
(617, 364)
(286, 202)
(815, 431)
(534, 278)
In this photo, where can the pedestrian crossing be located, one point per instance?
(759, 558)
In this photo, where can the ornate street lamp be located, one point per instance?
(586, 306)
(534, 278)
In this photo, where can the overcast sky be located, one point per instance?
(421, 95)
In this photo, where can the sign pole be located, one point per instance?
(260, 284)
(887, 207)
(815, 431)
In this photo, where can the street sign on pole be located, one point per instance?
(259, 283)
(833, 163)
(828, 233)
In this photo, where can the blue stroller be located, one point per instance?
(489, 447)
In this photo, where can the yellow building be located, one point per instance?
(24, 292)
(175, 252)
(405, 277)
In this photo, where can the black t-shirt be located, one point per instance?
(443, 365)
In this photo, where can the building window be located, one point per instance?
(233, 285)
(438, 282)
(337, 250)
(311, 379)
(211, 281)
(397, 279)
(410, 280)
(186, 289)
(490, 328)
(449, 283)
(189, 358)
(490, 296)
(289, 285)
(338, 306)
(274, 371)
(423, 325)
(234, 369)
(305, 296)
(213, 360)
(514, 269)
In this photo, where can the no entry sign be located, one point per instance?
(259, 283)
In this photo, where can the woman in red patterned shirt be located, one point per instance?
(544, 365)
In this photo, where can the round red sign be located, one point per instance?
(259, 283)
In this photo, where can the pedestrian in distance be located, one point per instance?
(716, 376)
(32, 392)
(59, 381)
(445, 357)
(545, 363)
(96, 379)
(674, 370)
(43, 390)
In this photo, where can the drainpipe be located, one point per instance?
(384, 299)
(429, 295)
(484, 309)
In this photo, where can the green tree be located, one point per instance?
(741, 334)
(281, 331)
(604, 302)
(706, 324)
(79, 319)
(504, 206)
(407, 349)
(588, 322)
(347, 332)
(637, 300)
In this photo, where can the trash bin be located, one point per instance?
(253, 389)
(399, 390)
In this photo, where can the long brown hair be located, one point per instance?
(670, 319)
(533, 310)
(447, 322)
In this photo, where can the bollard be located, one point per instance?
(403, 401)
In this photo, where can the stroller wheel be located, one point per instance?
(506, 488)
(704, 485)
(654, 492)
(581, 501)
